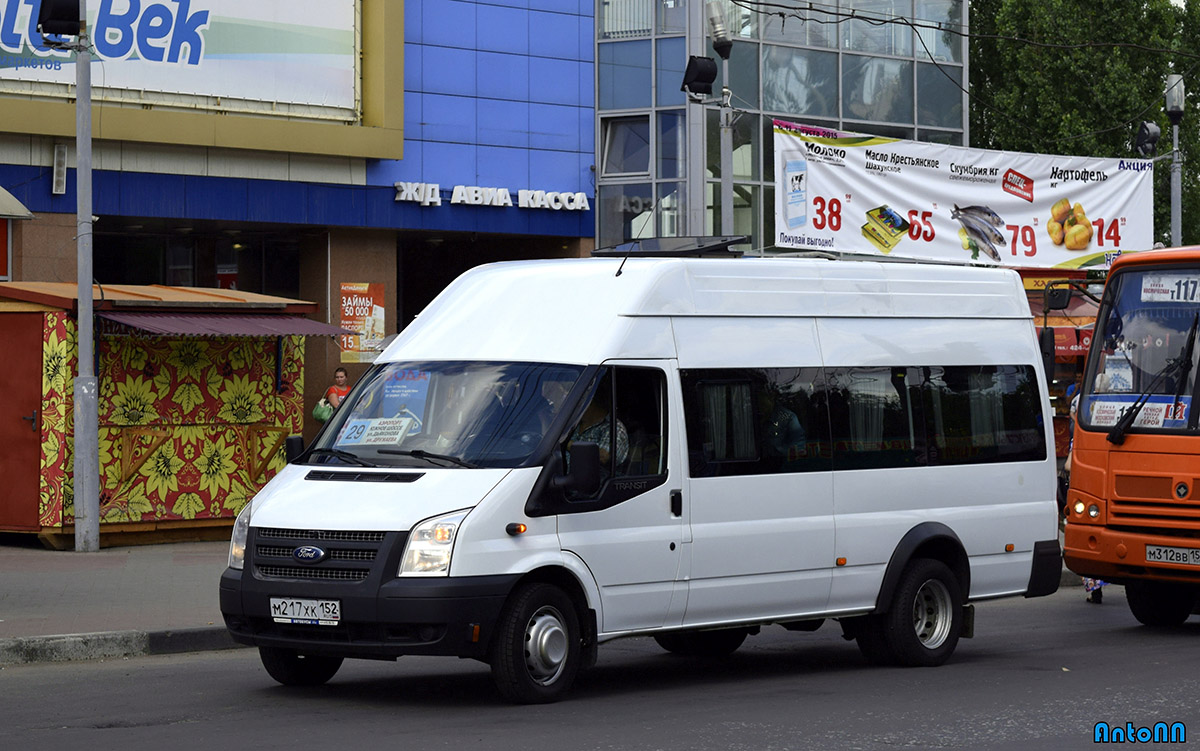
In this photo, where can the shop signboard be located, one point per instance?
(847, 192)
(225, 55)
(362, 308)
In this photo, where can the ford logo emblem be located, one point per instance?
(309, 554)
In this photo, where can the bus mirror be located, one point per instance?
(1058, 298)
(584, 475)
(1046, 345)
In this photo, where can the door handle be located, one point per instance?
(32, 421)
(676, 503)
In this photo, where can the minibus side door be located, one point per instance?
(630, 533)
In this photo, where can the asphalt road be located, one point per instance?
(1039, 675)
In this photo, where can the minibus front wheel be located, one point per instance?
(537, 648)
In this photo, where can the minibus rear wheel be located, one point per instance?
(291, 668)
(537, 649)
(1160, 603)
(923, 624)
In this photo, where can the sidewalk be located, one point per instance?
(144, 599)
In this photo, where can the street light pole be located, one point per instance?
(723, 46)
(1174, 107)
(726, 151)
(86, 469)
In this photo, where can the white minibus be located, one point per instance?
(559, 453)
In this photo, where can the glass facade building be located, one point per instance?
(895, 68)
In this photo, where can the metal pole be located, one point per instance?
(1176, 189)
(726, 151)
(87, 439)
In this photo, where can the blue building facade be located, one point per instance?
(498, 147)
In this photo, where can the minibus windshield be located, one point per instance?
(447, 414)
(1142, 373)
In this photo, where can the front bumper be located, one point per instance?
(417, 616)
(1119, 556)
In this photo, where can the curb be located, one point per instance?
(111, 644)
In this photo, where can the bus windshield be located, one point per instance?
(1143, 351)
(447, 414)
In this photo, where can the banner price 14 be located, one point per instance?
(866, 194)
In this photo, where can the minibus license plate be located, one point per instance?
(310, 612)
(1163, 554)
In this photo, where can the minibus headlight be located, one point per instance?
(1079, 507)
(430, 545)
(237, 542)
(1093, 511)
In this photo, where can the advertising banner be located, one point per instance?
(297, 52)
(362, 311)
(844, 192)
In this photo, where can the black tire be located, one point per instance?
(536, 652)
(291, 668)
(1159, 603)
(703, 643)
(923, 624)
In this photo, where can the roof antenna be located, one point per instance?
(623, 260)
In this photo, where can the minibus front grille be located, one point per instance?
(346, 556)
(324, 535)
(337, 554)
(323, 574)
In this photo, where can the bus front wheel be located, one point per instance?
(1160, 603)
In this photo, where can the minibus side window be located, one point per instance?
(876, 421)
(753, 421)
(983, 413)
(627, 417)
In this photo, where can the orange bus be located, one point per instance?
(1133, 508)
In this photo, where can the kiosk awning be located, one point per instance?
(11, 208)
(218, 324)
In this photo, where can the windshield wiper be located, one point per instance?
(430, 457)
(1180, 367)
(345, 456)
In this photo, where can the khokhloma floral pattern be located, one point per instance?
(190, 428)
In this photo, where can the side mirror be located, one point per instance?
(584, 475)
(1058, 298)
(293, 446)
(1046, 345)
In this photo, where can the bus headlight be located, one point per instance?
(1079, 507)
(237, 542)
(430, 545)
(1093, 511)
